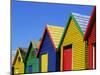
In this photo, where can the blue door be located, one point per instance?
(30, 68)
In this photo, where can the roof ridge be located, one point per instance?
(78, 14)
(82, 20)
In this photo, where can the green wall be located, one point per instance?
(32, 60)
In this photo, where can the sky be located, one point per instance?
(30, 18)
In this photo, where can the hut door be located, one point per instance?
(94, 56)
(30, 68)
(67, 58)
(44, 63)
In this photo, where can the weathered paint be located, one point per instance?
(44, 63)
(73, 35)
(31, 58)
(49, 44)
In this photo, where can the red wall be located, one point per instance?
(91, 41)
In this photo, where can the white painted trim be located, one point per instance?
(93, 57)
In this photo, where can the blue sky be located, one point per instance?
(29, 19)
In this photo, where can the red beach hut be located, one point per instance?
(90, 37)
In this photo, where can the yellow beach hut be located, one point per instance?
(18, 63)
(73, 49)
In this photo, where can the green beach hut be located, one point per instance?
(31, 61)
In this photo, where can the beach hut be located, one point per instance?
(72, 47)
(90, 37)
(48, 49)
(18, 63)
(31, 61)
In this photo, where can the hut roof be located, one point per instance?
(56, 33)
(23, 52)
(91, 23)
(35, 44)
(82, 20)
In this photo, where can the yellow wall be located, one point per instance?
(74, 37)
(18, 66)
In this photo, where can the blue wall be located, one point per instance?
(47, 47)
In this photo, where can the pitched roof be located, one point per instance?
(35, 43)
(23, 52)
(56, 33)
(91, 23)
(82, 20)
(80, 23)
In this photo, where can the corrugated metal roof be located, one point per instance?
(82, 20)
(56, 33)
